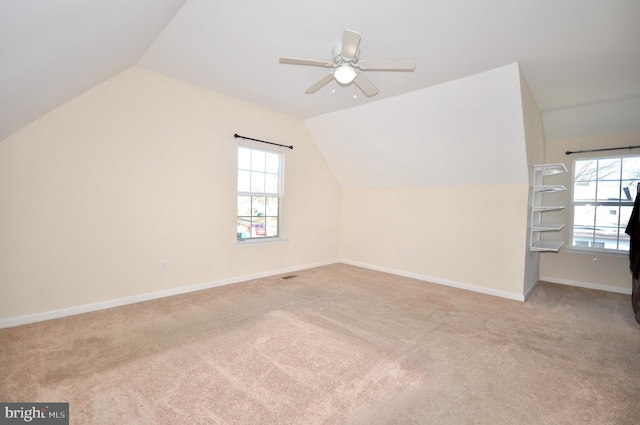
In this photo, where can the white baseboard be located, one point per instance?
(607, 288)
(102, 305)
(466, 286)
(86, 308)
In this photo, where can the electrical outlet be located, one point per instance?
(595, 262)
(163, 265)
(403, 252)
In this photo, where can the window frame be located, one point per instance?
(253, 194)
(618, 203)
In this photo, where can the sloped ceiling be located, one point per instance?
(460, 132)
(52, 51)
(572, 52)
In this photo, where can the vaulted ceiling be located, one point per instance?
(572, 52)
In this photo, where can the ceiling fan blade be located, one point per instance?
(296, 61)
(320, 84)
(365, 85)
(350, 43)
(390, 64)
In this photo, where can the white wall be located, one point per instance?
(470, 236)
(138, 170)
(440, 173)
(620, 116)
(534, 139)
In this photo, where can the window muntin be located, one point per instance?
(259, 193)
(604, 190)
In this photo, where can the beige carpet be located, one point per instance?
(336, 345)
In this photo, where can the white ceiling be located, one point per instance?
(572, 52)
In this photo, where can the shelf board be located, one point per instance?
(547, 246)
(547, 227)
(549, 188)
(543, 208)
(550, 169)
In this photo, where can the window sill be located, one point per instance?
(260, 241)
(591, 251)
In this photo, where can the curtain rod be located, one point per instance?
(602, 150)
(261, 141)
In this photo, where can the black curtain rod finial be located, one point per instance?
(237, 136)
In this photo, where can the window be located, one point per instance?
(604, 190)
(259, 193)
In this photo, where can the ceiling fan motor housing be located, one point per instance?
(338, 59)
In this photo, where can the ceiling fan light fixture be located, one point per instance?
(345, 74)
(346, 66)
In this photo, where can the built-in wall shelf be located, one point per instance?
(538, 225)
(547, 227)
(547, 246)
(543, 208)
(549, 169)
(548, 189)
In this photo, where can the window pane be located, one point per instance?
(586, 171)
(623, 242)
(631, 168)
(582, 236)
(606, 217)
(272, 163)
(257, 160)
(606, 232)
(243, 228)
(608, 190)
(258, 206)
(625, 215)
(272, 226)
(584, 215)
(244, 181)
(631, 177)
(257, 182)
(244, 159)
(628, 191)
(272, 207)
(271, 183)
(258, 228)
(244, 206)
(584, 191)
(583, 225)
(609, 169)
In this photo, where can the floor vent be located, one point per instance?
(291, 276)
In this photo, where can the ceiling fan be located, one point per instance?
(347, 66)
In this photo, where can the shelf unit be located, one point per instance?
(537, 209)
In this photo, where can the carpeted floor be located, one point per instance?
(336, 345)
